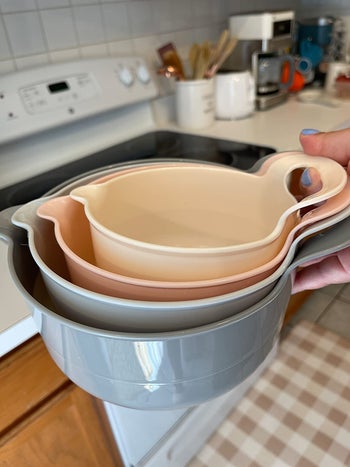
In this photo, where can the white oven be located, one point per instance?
(59, 121)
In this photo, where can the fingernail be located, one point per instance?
(309, 131)
(305, 178)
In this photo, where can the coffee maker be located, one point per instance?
(264, 42)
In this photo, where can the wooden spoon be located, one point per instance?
(226, 52)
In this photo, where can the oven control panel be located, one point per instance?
(46, 97)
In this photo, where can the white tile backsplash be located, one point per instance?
(52, 3)
(54, 22)
(83, 2)
(5, 52)
(64, 55)
(116, 21)
(141, 18)
(11, 6)
(49, 30)
(162, 16)
(25, 33)
(182, 15)
(6, 66)
(33, 60)
(202, 12)
(89, 24)
(122, 48)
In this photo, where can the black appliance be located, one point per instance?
(158, 144)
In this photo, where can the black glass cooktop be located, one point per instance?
(159, 144)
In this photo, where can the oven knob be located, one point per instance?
(126, 76)
(143, 74)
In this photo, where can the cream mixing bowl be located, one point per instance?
(73, 236)
(197, 223)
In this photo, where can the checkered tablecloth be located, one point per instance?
(298, 412)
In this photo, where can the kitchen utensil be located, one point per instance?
(180, 243)
(170, 71)
(134, 315)
(220, 46)
(159, 371)
(226, 52)
(234, 94)
(165, 370)
(69, 218)
(114, 313)
(117, 314)
(192, 57)
(195, 103)
(170, 57)
(202, 61)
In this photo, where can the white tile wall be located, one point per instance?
(11, 6)
(324, 7)
(89, 24)
(25, 33)
(44, 31)
(116, 21)
(4, 46)
(54, 21)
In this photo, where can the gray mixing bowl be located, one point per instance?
(153, 370)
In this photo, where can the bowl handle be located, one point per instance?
(8, 231)
(25, 215)
(333, 176)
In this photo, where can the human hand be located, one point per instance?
(333, 269)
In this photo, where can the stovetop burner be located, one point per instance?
(158, 144)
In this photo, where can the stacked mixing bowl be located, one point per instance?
(162, 285)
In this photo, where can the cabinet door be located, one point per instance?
(69, 431)
(295, 303)
(28, 377)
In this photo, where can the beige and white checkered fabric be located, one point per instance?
(298, 412)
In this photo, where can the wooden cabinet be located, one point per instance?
(295, 303)
(45, 419)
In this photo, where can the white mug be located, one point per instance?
(195, 106)
(234, 94)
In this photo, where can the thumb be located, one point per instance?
(310, 181)
(333, 144)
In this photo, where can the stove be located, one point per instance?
(152, 145)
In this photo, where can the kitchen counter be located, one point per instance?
(278, 127)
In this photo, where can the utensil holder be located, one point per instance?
(195, 103)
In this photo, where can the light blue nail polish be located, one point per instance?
(309, 131)
(305, 178)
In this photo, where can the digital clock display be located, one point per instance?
(58, 87)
